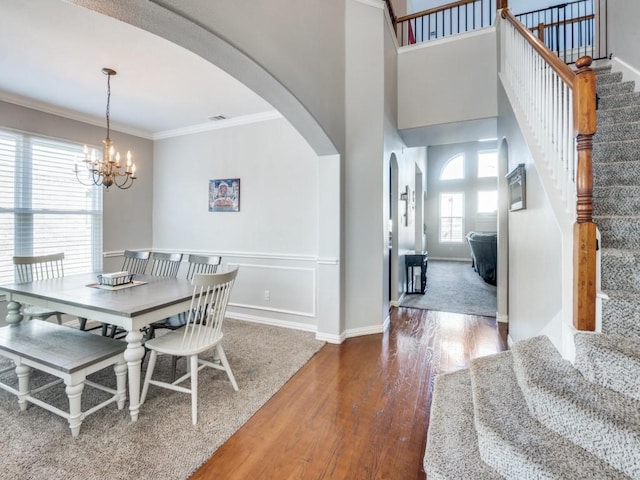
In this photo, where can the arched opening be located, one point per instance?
(502, 291)
(394, 193)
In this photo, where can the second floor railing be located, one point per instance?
(571, 30)
(453, 18)
(559, 107)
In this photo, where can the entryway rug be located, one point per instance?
(162, 444)
(454, 287)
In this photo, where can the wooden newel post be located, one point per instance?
(584, 230)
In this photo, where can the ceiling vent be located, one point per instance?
(216, 118)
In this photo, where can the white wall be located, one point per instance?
(274, 237)
(624, 37)
(449, 80)
(535, 244)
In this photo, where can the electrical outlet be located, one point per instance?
(267, 296)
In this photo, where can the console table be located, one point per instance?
(413, 260)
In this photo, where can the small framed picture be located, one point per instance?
(224, 195)
(517, 181)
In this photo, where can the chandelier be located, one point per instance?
(107, 171)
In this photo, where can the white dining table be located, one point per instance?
(131, 308)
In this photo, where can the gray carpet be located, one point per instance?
(454, 287)
(162, 444)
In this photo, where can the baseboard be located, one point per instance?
(502, 318)
(335, 339)
(271, 321)
(371, 330)
(628, 72)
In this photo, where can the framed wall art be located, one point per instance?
(517, 181)
(224, 195)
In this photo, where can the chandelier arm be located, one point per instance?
(128, 181)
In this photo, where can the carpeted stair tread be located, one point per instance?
(623, 131)
(619, 231)
(514, 443)
(616, 200)
(620, 269)
(452, 444)
(614, 116)
(616, 151)
(606, 77)
(611, 361)
(600, 420)
(617, 173)
(620, 313)
(620, 100)
(617, 88)
(601, 69)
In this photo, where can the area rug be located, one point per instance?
(454, 287)
(162, 444)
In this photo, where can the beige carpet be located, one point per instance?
(162, 444)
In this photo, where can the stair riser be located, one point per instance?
(620, 272)
(617, 101)
(615, 88)
(622, 316)
(610, 361)
(610, 133)
(608, 78)
(616, 173)
(615, 116)
(619, 232)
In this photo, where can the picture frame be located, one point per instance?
(517, 182)
(224, 195)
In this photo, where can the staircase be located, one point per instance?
(530, 414)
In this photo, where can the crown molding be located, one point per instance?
(71, 115)
(219, 124)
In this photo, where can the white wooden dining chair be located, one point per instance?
(42, 267)
(196, 264)
(202, 333)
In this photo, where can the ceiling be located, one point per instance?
(52, 54)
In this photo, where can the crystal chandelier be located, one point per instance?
(107, 171)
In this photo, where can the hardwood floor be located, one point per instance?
(359, 410)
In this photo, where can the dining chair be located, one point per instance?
(202, 333)
(196, 264)
(42, 267)
(165, 264)
(135, 261)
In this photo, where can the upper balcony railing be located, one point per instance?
(571, 30)
(451, 19)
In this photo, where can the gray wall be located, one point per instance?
(623, 31)
(274, 236)
(535, 246)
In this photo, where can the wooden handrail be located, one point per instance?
(564, 22)
(553, 60)
(431, 11)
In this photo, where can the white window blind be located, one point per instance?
(43, 208)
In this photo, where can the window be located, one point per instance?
(453, 169)
(451, 217)
(487, 164)
(488, 202)
(43, 208)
